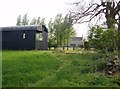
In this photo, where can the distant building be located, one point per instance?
(76, 42)
(24, 38)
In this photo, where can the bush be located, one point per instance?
(103, 40)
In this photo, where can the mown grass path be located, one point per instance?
(47, 69)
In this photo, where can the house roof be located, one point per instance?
(19, 28)
(77, 38)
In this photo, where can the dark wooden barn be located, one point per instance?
(25, 38)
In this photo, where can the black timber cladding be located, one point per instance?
(12, 38)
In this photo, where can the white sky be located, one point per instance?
(10, 9)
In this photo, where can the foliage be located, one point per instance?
(33, 22)
(86, 45)
(103, 40)
(51, 36)
(38, 21)
(60, 30)
(18, 20)
(47, 69)
(25, 20)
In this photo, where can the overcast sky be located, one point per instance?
(10, 9)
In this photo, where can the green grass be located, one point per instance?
(47, 69)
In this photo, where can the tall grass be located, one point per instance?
(44, 68)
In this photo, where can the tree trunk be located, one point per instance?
(119, 38)
(67, 45)
(110, 15)
(64, 41)
(49, 47)
(63, 47)
(73, 48)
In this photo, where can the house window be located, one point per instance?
(39, 36)
(24, 35)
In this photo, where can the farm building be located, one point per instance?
(24, 38)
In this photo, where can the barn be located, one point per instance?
(24, 38)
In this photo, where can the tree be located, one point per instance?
(92, 10)
(43, 21)
(18, 20)
(25, 20)
(51, 36)
(103, 40)
(22, 20)
(68, 30)
(60, 31)
(57, 29)
(38, 21)
(33, 22)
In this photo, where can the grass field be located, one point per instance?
(48, 69)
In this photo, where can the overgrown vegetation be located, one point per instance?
(47, 68)
(104, 40)
(60, 31)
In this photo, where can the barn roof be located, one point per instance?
(19, 28)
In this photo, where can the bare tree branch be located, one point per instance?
(109, 9)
